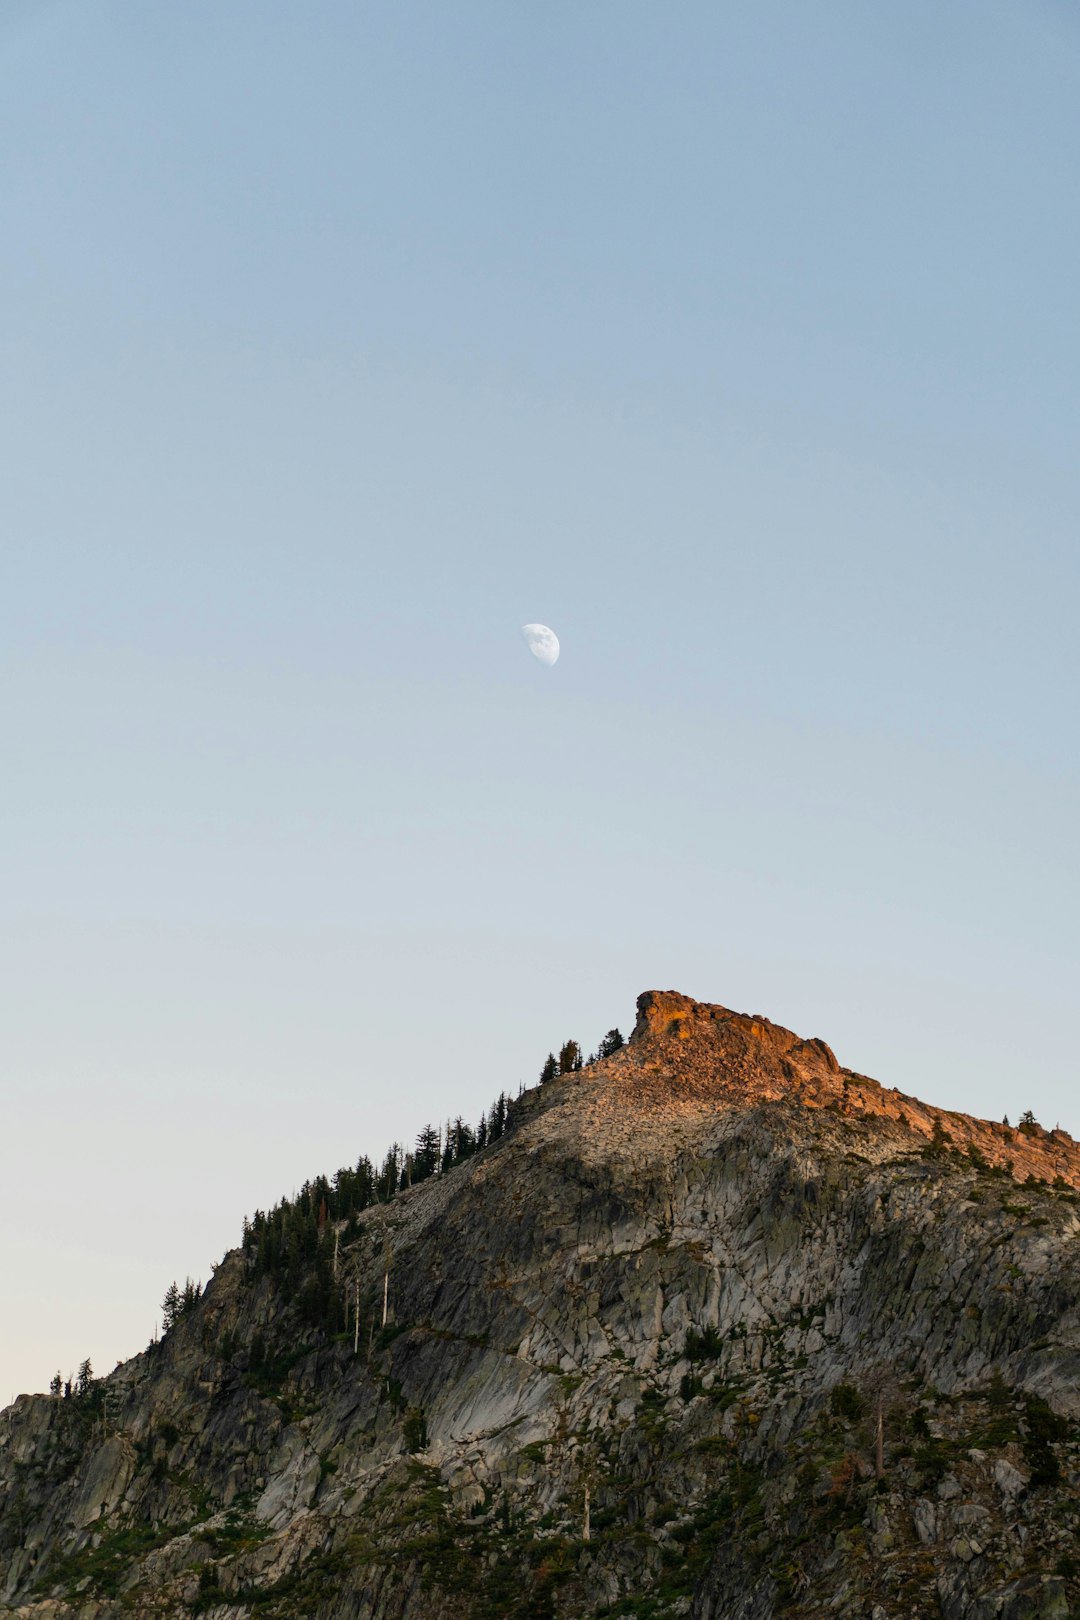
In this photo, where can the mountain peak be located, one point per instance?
(689, 1059)
(705, 1324)
(663, 1014)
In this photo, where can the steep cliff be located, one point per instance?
(716, 1329)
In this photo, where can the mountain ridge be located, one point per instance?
(716, 1328)
(709, 1054)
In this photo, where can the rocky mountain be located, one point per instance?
(716, 1329)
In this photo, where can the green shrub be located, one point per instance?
(706, 1346)
(414, 1429)
(933, 1460)
(1043, 1427)
(846, 1402)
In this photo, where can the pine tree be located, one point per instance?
(427, 1155)
(497, 1118)
(56, 1384)
(170, 1306)
(86, 1378)
(570, 1059)
(611, 1043)
(390, 1173)
(550, 1069)
(460, 1143)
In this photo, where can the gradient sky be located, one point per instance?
(738, 343)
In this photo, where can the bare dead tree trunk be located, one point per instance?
(337, 1239)
(586, 1528)
(879, 1440)
(356, 1320)
(385, 1295)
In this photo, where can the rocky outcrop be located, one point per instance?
(722, 1054)
(717, 1329)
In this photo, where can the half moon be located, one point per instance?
(541, 642)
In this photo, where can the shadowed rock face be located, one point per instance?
(668, 1307)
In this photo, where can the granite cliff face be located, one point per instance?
(717, 1329)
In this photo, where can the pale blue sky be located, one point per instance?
(738, 343)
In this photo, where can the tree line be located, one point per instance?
(287, 1241)
(75, 1384)
(178, 1302)
(570, 1059)
(284, 1242)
